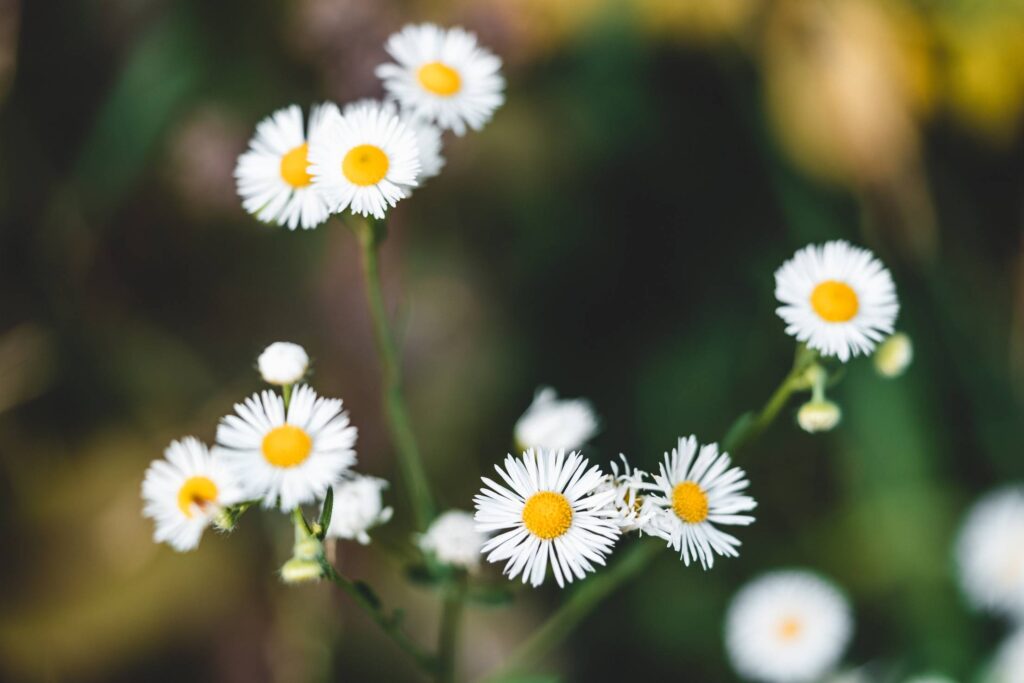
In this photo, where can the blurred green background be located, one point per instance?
(613, 232)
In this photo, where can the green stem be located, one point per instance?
(389, 623)
(636, 559)
(451, 617)
(369, 234)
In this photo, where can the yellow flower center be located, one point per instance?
(547, 514)
(790, 628)
(365, 165)
(834, 301)
(690, 502)
(295, 165)
(439, 79)
(286, 446)
(196, 492)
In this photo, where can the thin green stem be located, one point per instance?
(451, 618)
(389, 623)
(369, 234)
(586, 598)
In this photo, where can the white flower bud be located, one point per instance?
(358, 507)
(818, 416)
(454, 540)
(894, 355)
(554, 424)
(299, 570)
(283, 363)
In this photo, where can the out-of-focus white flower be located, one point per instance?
(818, 416)
(554, 424)
(443, 76)
(894, 355)
(358, 507)
(1008, 665)
(273, 177)
(293, 456)
(185, 492)
(990, 552)
(633, 508)
(283, 363)
(837, 298)
(696, 494)
(365, 160)
(454, 540)
(787, 627)
(930, 678)
(553, 511)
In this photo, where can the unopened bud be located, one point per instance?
(894, 355)
(818, 416)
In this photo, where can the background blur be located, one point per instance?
(613, 232)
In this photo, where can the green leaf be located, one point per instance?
(325, 514)
(368, 593)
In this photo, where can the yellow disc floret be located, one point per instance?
(547, 514)
(690, 502)
(286, 446)
(196, 492)
(295, 166)
(439, 79)
(790, 628)
(365, 165)
(834, 301)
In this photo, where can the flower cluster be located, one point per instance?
(278, 450)
(367, 156)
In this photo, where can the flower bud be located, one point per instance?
(299, 570)
(818, 416)
(283, 363)
(894, 355)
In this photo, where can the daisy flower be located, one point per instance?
(292, 455)
(453, 539)
(283, 363)
(551, 511)
(443, 76)
(787, 627)
(990, 552)
(428, 136)
(365, 160)
(185, 491)
(633, 509)
(555, 424)
(358, 507)
(273, 177)
(837, 298)
(695, 497)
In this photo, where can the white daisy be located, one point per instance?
(552, 511)
(185, 491)
(443, 76)
(428, 136)
(358, 507)
(365, 159)
(695, 497)
(837, 298)
(787, 627)
(454, 540)
(990, 552)
(283, 363)
(273, 177)
(293, 455)
(555, 424)
(1008, 664)
(633, 509)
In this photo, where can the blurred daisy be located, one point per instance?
(1008, 665)
(552, 511)
(787, 627)
(633, 510)
(428, 136)
(697, 495)
(185, 491)
(443, 76)
(365, 160)
(894, 355)
(555, 424)
(358, 507)
(930, 678)
(454, 540)
(292, 455)
(837, 298)
(990, 552)
(273, 177)
(283, 363)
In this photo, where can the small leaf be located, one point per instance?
(368, 593)
(420, 574)
(325, 514)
